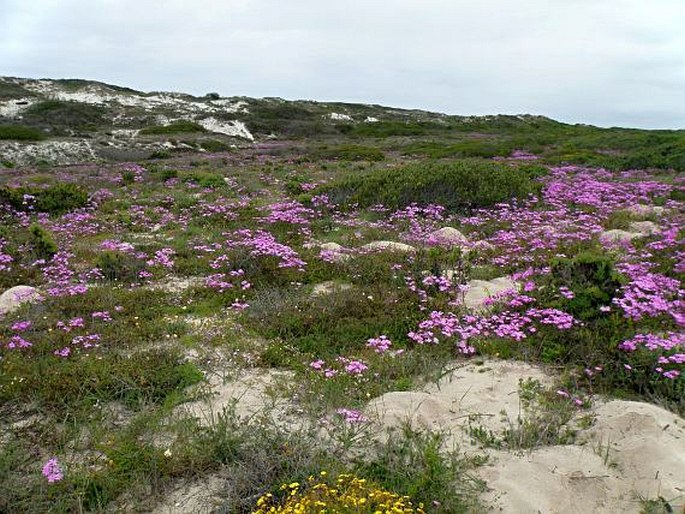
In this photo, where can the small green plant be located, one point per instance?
(206, 179)
(415, 463)
(592, 280)
(543, 420)
(43, 241)
(119, 267)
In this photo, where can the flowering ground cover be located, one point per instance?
(153, 276)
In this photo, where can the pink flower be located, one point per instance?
(317, 364)
(356, 367)
(352, 416)
(380, 344)
(52, 471)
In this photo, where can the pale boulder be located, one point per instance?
(13, 298)
(388, 246)
(447, 236)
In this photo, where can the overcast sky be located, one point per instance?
(604, 62)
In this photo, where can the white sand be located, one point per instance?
(645, 456)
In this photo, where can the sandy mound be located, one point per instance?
(480, 393)
(632, 451)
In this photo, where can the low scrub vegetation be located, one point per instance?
(457, 186)
(20, 133)
(177, 127)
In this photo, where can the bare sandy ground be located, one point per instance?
(633, 450)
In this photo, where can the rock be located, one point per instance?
(646, 210)
(11, 299)
(332, 247)
(617, 235)
(334, 252)
(447, 236)
(646, 228)
(329, 287)
(389, 246)
(480, 290)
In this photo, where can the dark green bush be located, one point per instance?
(56, 199)
(214, 145)
(459, 186)
(120, 267)
(20, 133)
(10, 90)
(59, 115)
(473, 148)
(350, 153)
(592, 279)
(178, 127)
(384, 129)
(206, 179)
(43, 241)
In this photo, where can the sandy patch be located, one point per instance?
(200, 497)
(251, 394)
(633, 450)
(230, 128)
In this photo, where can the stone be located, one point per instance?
(480, 290)
(646, 210)
(617, 235)
(329, 287)
(13, 298)
(332, 247)
(646, 228)
(447, 236)
(334, 252)
(388, 246)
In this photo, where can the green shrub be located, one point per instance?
(119, 267)
(9, 90)
(384, 129)
(351, 153)
(206, 179)
(591, 278)
(168, 174)
(214, 145)
(178, 127)
(56, 199)
(459, 186)
(43, 241)
(59, 115)
(20, 133)
(473, 148)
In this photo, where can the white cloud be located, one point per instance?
(614, 62)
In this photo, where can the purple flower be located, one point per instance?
(352, 416)
(52, 471)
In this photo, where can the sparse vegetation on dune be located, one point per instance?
(375, 316)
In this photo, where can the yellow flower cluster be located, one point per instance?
(346, 495)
